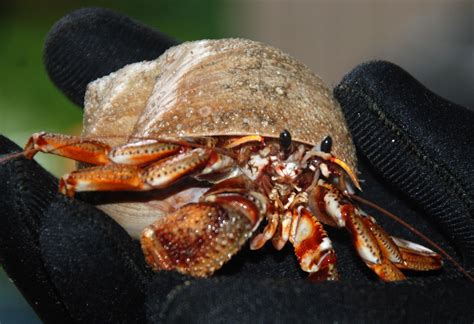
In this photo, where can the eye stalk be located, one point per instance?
(326, 144)
(285, 140)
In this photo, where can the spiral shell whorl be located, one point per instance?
(218, 87)
(238, 87)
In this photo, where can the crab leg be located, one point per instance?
(143, 152)
(72, 147)
(268, 232)
(312, 246)
(368, 244)
(382, 253)
(110, 177)
(199, 237)
(98, 153)
(155, 176)
(417, 257)
(283, 232)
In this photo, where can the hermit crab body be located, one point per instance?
(222, 135)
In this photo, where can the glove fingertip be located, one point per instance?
(92, 260)
(92, 42)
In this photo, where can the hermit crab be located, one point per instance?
(220, 136)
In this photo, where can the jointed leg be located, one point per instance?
(268, 232)
(103, 178)
(381, 252)
(313, 248)
(131, 177)
(98, 153)
(73, 147)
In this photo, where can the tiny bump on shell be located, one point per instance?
(211, 88)
(219, 87)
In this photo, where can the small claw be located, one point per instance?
(167, 171)
(417, 257)
(235, 185)
(240, 204)
(259, 240)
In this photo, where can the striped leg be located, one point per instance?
(160, 174)
(312, 246)
(73, 147)
(380, 252)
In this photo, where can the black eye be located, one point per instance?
(326, 144)
(285, 139)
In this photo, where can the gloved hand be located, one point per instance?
(74, 263)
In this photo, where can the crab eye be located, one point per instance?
(285, 139)
(326, 144)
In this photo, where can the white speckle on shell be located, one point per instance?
(216, 88)
(257, 87)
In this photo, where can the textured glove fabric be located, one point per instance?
(74, 263)
(26, 190)
(272, 301)
(92, 42)
(418, 142)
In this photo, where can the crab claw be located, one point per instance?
(199, 238)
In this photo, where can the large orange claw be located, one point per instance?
(196, 240)
(199, 238)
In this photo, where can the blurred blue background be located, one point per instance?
(433, 40)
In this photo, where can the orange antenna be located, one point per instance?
(414, 230)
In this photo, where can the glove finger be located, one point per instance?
(92, 42)
(417, 142)
(26, 190)
(63, 253)
(93, 261)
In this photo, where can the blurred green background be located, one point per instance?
(433, 40)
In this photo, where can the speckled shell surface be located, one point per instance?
(216, 87)
(210, 88)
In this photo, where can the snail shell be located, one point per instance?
(211, 88)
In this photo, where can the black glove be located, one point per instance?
(72, 262)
